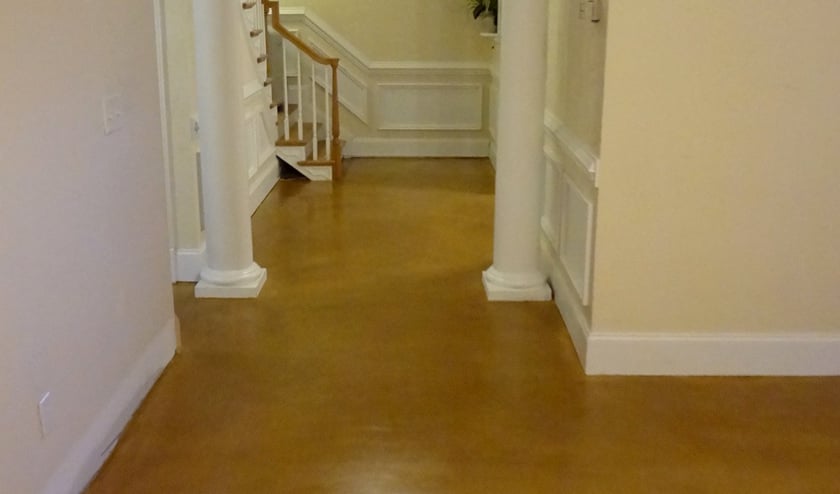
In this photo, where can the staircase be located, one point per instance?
(307, 105)
(260, 130)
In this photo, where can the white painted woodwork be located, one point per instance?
(435, 106)
(576, 237)
(231, 271)
(260, 119)
(568, 220)
(516, 274)
(717, 354)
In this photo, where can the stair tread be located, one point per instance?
(293, 140)
(322, 153)
(315, 163)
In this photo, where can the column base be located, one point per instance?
(515, 287)
(245, 283)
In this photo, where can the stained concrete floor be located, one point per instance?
(371, 363)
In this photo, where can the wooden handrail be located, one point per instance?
(317, 57)
(299, 44)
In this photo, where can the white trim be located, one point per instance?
(576, 321)
(233, 283)
(720, 354)
(166, 129)
(190, 262)
(506, 287)
(89, 453)
(583, 286)
(584, 156)
(417, 148)
(430, 106)
(263, 180)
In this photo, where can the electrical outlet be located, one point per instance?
(44, 414)
(113, 113)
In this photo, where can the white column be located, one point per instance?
(231, 271)
(516, 274)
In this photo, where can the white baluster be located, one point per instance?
(300, 98)
(285, 91)
(327, 109)
(314, 115)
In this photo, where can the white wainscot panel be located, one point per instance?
(554, 204)
(421, 106)
(252, 142)
(576, 237)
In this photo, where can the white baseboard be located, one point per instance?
(417, 148)
(718, 354)
(491, 153)
(89, 453)
(189, 263)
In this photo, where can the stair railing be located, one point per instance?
(330, 85)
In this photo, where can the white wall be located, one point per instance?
(719, 176)
(83, 248)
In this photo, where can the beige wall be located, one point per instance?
(84, 234)
(182, 107)
(718, 202)
(576, 57)
(404, 30)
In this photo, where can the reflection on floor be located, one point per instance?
(372, 364)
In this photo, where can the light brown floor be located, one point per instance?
(372, 364)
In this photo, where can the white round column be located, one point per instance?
(516, 274)
(231, 271)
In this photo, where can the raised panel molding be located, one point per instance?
(576, 238)
(430, 106)
(568, 221)
(559, 136)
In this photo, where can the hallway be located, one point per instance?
(371, 363)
